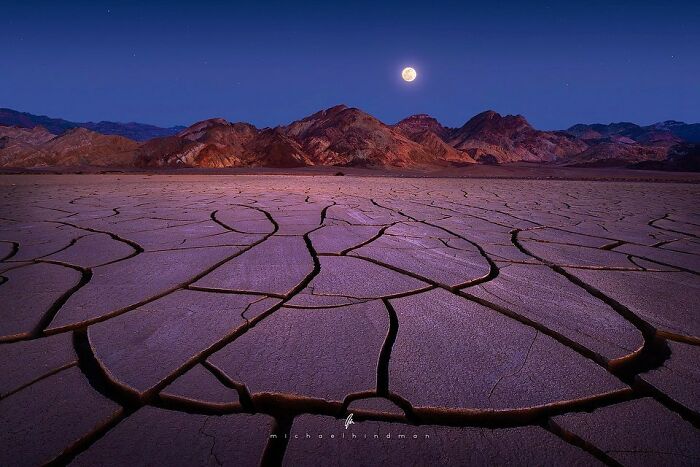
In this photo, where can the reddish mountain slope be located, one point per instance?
(16, 143)
(417, 124)
(491, 136)
(219, 143)
(34, 136)
(429, 133)
(76, 147)
(349, 137)
(273, 148)
(345, 136)
(616, 154)
(440, 149)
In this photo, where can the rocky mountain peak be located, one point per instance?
(415, 124)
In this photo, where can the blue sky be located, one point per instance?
(556, 63)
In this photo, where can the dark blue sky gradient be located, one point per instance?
(268, 63)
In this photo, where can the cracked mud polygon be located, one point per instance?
(239, 320)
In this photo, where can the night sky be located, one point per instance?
(557, 63)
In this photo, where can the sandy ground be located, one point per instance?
(521, 170)
(196, 319)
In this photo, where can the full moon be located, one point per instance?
(408, 74)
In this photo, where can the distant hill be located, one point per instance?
(511, 138)
(36, 147)
(58, 126)
(218, 143)
(662, 132)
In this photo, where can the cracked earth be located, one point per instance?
(238, 320)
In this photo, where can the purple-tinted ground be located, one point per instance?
(209, 320)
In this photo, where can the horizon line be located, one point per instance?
(563, 128)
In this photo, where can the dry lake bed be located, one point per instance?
(240, 320)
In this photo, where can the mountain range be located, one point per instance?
(58, 126)
(344, 136)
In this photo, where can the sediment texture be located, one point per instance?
(197, 320)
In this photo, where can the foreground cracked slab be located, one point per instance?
(94, 250)
(486, 360)
(346, 277)
(166, 437)
(40, 422)
(276, 266)
(28, 361)
(443, 259)
(29, 294)
(547, 298)
(679, 377)
(117, 286)
(142, 348)
(200, 385)
(184, 319)
(288, 353)
(667, 300)
(654, 435)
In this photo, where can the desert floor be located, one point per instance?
(184, 319)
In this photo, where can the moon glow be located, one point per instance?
(408, 74)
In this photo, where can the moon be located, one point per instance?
(408, 74)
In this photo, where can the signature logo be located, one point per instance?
(349, 421)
